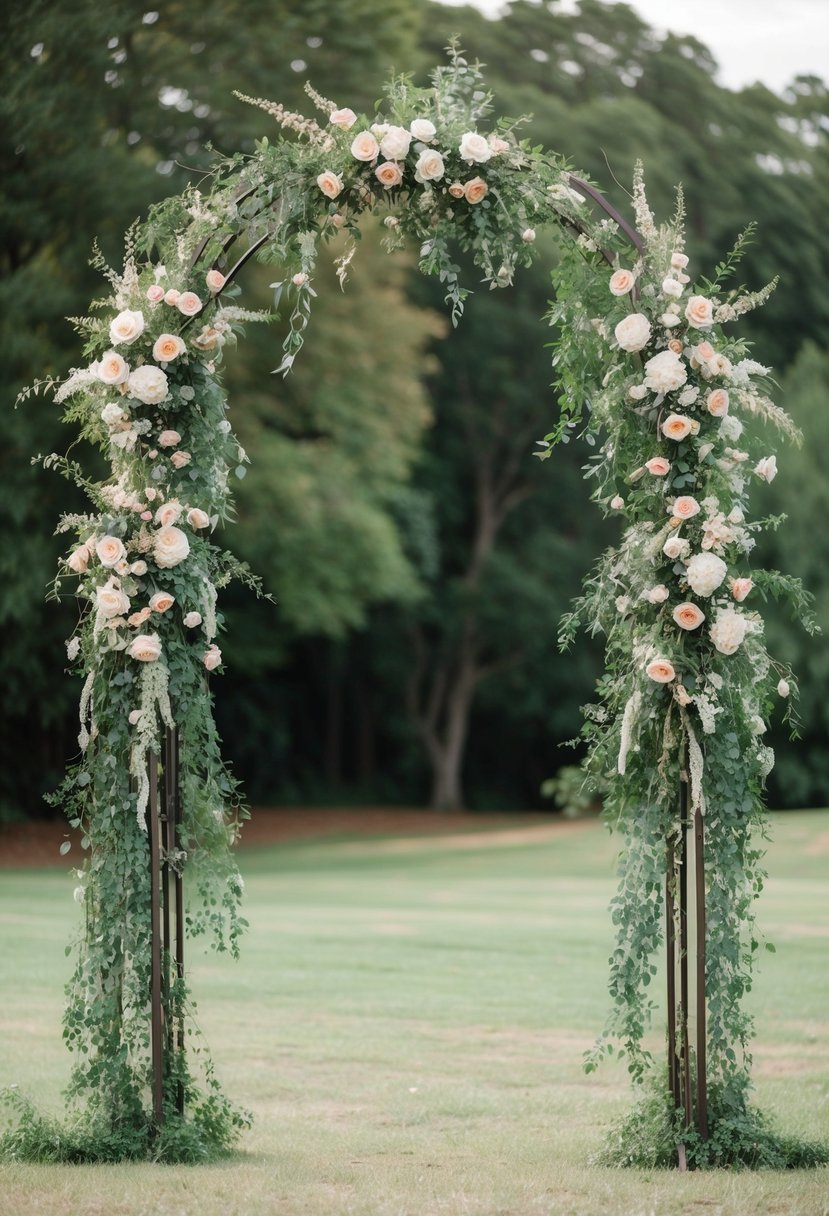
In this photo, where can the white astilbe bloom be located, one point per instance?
(708, 711)
(696, 766)
(629, 719)
(155, 702)
(79, 377)
(85, 711)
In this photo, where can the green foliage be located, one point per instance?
(569, 791)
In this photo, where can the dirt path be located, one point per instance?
(38, 843)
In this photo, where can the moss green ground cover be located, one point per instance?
(407, 1024)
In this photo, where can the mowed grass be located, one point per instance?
(406, 1025)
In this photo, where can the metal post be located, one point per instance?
(156, 1012)
(683, 950)
(702, 1066)
(174, 812)
(670, 940)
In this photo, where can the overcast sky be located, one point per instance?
(768, 40)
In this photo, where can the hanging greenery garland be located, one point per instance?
(686, 664)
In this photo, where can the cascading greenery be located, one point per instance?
(150, 398)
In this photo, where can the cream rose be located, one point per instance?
(168, 347)
(126, 327)
(345, 118)
(111, 601)
(677, 427)
(197, 518)
(388, 174)
(113, 368)
(423, 130)
(169, 439)
(740, 588)
(395, 143)
(112, 414)
(699, 312)
(171, 547)
(214, 281)
(189, 304)
(110, 551)
(705, 573)
(148, 384)
(364, 146)
(684, 507)
(717, 402)
(676, 547)
(729, 630)
(679, 260)
(671, 288)
(212, 657)
(192, 619)
(621, 282)
(146, 648)
(658, 466)
(138, 618)
(665, 372)
(179, 459)
(633, 332)
(330, 183)
(168, 513)
(783, 688)
(660, 671)
(162, 601)
(766, 468)
(456, 190)
(78, 560)
(139, 568)
(429, 166)
(657, 595)
(171, 296)
(688, 615)
(474, 149)
(475, 189)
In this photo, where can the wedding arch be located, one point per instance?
(667, 397)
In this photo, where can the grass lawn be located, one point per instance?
(407, 1024)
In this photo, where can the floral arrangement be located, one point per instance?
(645, 356)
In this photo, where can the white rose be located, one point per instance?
(344, 118)
(429, 166)
(782, 687)
(474, 149)
(633, 332)
(148, 384)
(729, 630)
(126, 327)
(665, 372)
(212, 657)
(112, 414)
(171, 547)
(637, 392)
(110, 551)
(670, 287)
(197, 518)
(705, 573)
(423, 129)
(112, 368)
(146, 647)
(395, 143)
(192, 619)
(528, 235)
(676, 547)
(138, 568)
(111, 600)
(657, 595)
(766, 468)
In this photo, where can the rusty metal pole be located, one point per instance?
(174, 811)
(683, 950)
(702, 1031)
(156, 1010)
(670, 940)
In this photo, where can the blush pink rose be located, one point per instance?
(215, 280)
(699, 312)
(717, 402)
(212, 657)
(740, 588)
(330, 183)
(658, 465)
(688, 615)
(155, 293)
(685, 507)
(169, 439)
(189, 304)
(180, 459)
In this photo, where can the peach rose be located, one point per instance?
(677, 427)
(685, 507)
(345, 118)
(138, 618)
(633, 332)
(179, 459)
(126, 327)
(475, 189)
(330, 183)
(146, 648)
(456, 190)
(364, 146)
(155, 293)
(717, 402)
(162, 601)
(110, 551)
(621, 282)
(189, 304)
(113, 368)
(214, 280)
(169, 439)
(699, 312)
(688, 615)
(740, 588)
(168, 347)
(197, 518)
(212, 657)
(661, 671)
(388, 174)
(658, 465)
